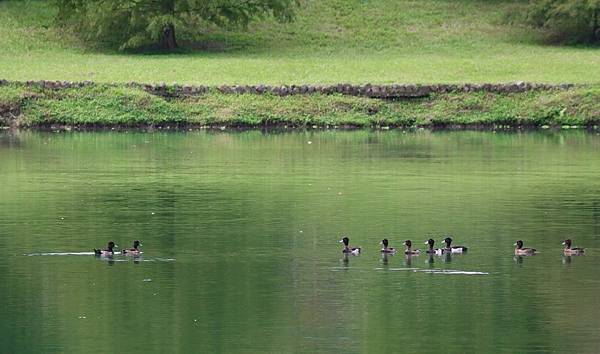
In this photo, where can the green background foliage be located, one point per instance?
(135, 23)
(567, 20)
(330, 41)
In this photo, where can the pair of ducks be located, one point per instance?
(109, 251)
(408, 251)
(568, 250)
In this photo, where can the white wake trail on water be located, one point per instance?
(436, 271)
(61, 254)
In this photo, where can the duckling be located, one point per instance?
(135, 251)
(387, 249)
(431, 250)
(351, 250)
(453, 249)
(575, 251)
(108, 252)
(520, 251)
(409, 251)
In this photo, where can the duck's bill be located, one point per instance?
(341, 241)
(514, 244)
(426, 242)
(563, 243)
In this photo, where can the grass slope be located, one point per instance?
(355, 41)
(106, 106)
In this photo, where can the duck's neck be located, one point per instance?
(431, 247)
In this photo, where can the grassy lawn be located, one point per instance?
(354, 41)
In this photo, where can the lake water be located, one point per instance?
(241, 253)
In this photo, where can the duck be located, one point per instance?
(409, 251)
(520, 251)
(135, 251)
(387, 249)
(453, 249)
(347, 249)
(108, 252)
(574, 251)
(431, 250)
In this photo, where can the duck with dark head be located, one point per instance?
(135, 251)
(572, 251)
(523, 251)
(347, 249)
(453, 249)
(431, 250)
(385, 249)
(108, 252)
(409, 251)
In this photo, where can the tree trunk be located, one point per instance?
(168, 41)
(595, 26)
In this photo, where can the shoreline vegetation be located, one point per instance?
(94, 106)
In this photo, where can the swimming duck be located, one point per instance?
(108, 252)
(409, 250)
(520, 251)
(387, 249)
(135, 251)
(453, 249)
(575, 251)
(431, 250)
(347, 249)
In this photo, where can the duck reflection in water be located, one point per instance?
(345, 260)
(446, 258)
(384, 258)
(430, 260)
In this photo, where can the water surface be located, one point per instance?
(240, 236)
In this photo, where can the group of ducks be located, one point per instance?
(519, 249)
(109, 251)
(408, 250)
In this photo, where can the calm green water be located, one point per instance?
(240, 236)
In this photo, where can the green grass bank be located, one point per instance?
(331, 41)
(106, 106)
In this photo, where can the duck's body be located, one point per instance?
(433, 251)
(409, 251)
(572, 251)
(135, 251)
(523, 251)
(349, 250)
(108, 252)
(386, 249)
(453, 249)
